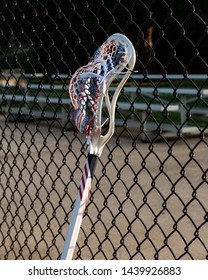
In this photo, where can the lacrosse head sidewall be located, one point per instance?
(98, 141)
(130, 63)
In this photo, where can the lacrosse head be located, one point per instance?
(90, 83)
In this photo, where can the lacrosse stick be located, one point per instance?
(88, 89)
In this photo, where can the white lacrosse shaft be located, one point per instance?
(79, 207)
(96, 140)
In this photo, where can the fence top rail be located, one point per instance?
(134, 76)
(154, 76)
(22, 75)
(170, 76)
(165, 90)
(35, 99)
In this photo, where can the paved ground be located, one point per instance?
(148, 200)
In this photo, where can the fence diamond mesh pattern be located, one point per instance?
(149, 193)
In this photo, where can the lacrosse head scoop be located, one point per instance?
(90, 84)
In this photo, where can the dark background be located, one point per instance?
(55, 37)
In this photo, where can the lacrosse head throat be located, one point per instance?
(89, 87)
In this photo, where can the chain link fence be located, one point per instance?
(149, 193)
